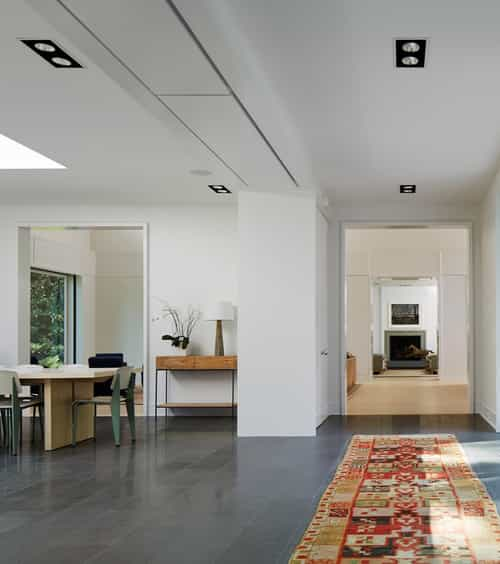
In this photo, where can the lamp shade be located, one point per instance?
(219, 311)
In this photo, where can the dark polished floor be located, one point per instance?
(192, 494)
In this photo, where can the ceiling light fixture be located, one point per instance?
(40, 46)
(14, 156)
(410, 47)
(60, 61)
(52, 53)
(409, 61)
(219, 189)
(405, 50)
(408, 188)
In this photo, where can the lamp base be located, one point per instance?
(219, 340)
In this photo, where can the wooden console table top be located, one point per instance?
(196, 362)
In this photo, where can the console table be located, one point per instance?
(205, 364)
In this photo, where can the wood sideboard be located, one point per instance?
(351, 370)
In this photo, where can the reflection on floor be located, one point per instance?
(189, 491)
(406, 394)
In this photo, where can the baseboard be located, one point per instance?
(487, 414)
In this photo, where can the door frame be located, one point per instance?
(144, 227)
(360, 224)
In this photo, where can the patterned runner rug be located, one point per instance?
(409, 499)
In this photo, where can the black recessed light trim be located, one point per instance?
(219, 189)
(52, 53)
(408, 188)
(410, 53)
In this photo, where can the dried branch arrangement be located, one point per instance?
(183, 325)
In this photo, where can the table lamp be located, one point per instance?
(219, 312)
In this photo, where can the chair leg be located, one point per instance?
(131, 417)
(20, 427)
(74, 424)
(15, 424)
(33, 417)
(115, 416)
(6, 428)
(2, 427)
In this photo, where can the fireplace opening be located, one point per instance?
(401, 346)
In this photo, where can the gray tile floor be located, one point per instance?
(193, 493)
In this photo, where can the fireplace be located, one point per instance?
(398, 345)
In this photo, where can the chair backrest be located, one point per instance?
(7, 377)
(107, 360)
(123, 376)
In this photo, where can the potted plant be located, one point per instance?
(183, 326)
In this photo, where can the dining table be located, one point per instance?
(60, 388)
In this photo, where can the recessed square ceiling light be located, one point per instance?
(219, 189)
(408, 188)
(52, 53)
(410, 53)
(14, 156)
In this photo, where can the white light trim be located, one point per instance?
(14, 156)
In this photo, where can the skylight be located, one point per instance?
(14, 156)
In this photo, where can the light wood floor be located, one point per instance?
(395, 395)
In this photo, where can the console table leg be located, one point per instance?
(232, 395)
(166, 395)
(156, 395)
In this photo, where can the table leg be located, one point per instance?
(58, 417)
(86, 420)
(166, 394)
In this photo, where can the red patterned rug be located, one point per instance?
(409, 499)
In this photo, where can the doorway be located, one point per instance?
(88, 295)
(407, 309)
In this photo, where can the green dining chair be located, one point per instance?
(12, 404)
(122, 388)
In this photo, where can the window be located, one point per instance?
(52, 317)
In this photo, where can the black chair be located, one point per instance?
(106, 360)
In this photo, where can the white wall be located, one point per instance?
(454, 328)
(119, 293)
(192, 259)
(322, 368)
(277, 317)
(487, 303)
(358, 328)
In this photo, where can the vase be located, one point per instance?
(179, 351)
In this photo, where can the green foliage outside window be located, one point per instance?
(47, 318)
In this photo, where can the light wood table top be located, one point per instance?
(68, 373)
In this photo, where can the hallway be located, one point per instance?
(421, 395)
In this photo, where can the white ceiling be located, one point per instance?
(368, 127)
(304, 93)
(146, 109)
